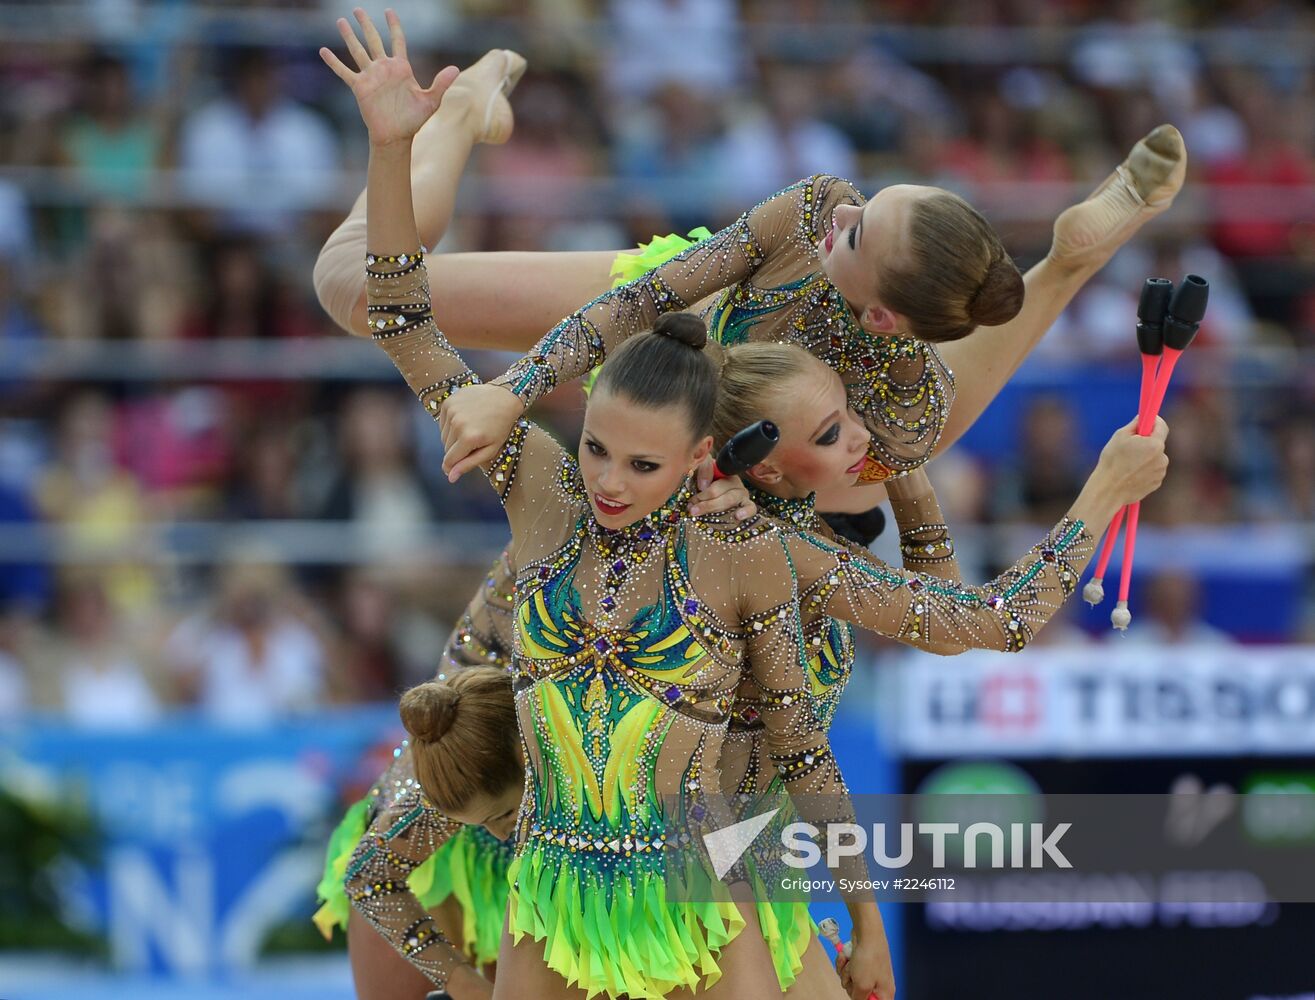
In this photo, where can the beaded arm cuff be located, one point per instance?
(924, 539)
(582, 341)
(402, 323)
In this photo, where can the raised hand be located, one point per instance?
(393, 105)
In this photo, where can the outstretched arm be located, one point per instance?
(524, 468)
(583, 339)
(941, 616)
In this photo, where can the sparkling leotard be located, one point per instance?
(759, 279)
(629, 648)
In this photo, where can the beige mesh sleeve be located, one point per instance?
(936, 614)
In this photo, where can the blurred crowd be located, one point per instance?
(157, 186)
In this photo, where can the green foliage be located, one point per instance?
(38, 840)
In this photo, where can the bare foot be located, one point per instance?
(1141, 187)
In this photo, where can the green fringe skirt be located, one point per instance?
(470, 867)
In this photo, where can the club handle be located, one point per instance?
(1186, 310)
(746, 449)
(1151, 310)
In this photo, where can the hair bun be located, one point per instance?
(428, 710)
(1000, 296)
(684, 327)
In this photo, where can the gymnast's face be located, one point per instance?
(633, 457)
(861, 237)
(823, 442)
(495, 813)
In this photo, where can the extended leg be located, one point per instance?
(817, 979)
(745, 964)
(522, 972)
(1086, 236)
(495, 300)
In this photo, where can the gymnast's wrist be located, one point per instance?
(865, 915)
(914, 485)
(392, 148)
(1098, 502)
(508, 381)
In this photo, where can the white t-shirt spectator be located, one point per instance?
(759, 157)
(112, 694)
(237, 688)
(257, 169)
(692, 42)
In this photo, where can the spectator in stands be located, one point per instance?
(252, 659)
(15, 224)
(134, 275)
(89, 668)
(1045, 469)
(1169, 614)
(377, 487)
(256, 155)
(1295, 493)
(371, 660)
(16, 251)
(1133, 50)
(1005, 143)
(1201, 485)
(655, 42)
(263, 484)
(101, 508)
(1102, 320)
(388, 643)
(876, 98)
(111, 144)
(24, 586)
(16, 319)
(774, 143)
(1258, 195)
(245, 295)
(545, 166)
(669, 148)
(175, 443)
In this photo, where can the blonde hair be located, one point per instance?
(954, 275)
(463, 736)
(752, 375)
